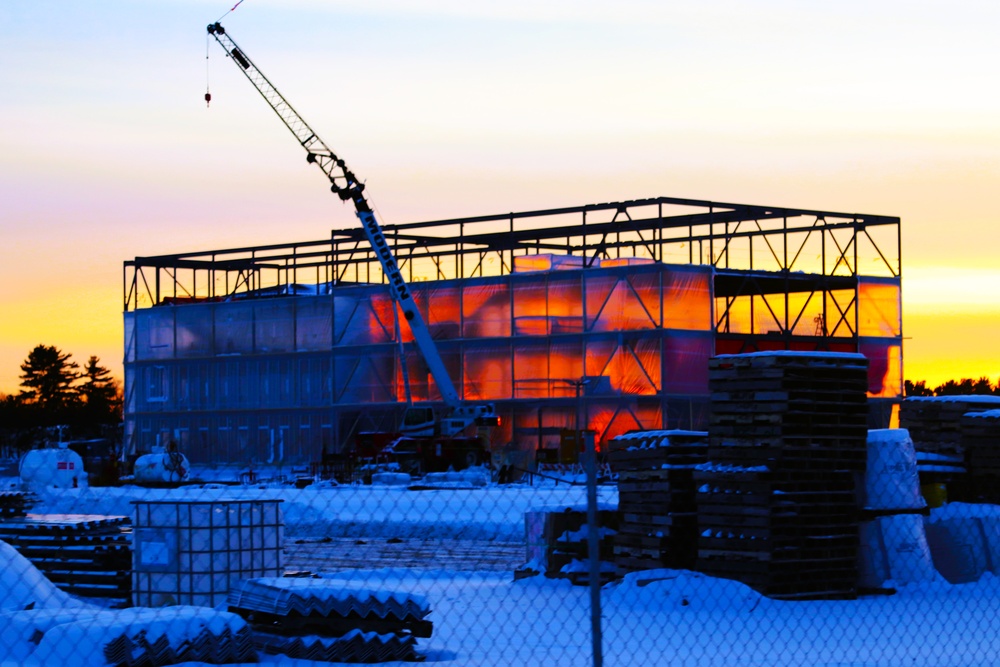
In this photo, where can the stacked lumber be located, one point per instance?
(657, 523)
(557, 543)
(323, 619)
(84, 555)
(777, 502)
(981, 444)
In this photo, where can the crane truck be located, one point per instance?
(428, 438)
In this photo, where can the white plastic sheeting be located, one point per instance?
(894, 551)
(891, 478)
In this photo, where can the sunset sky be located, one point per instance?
(450, 108)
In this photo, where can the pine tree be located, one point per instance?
(918, 388)
(101, 393)
(47, 380)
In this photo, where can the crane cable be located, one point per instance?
(230, 11)
(208, 94)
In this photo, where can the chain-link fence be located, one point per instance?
(785, 534)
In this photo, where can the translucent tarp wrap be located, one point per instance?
(313, 324)
(194, 330)
(885, 366)
(879, 308)
(630, 329)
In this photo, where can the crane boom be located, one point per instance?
(346, 185)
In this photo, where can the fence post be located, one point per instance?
(593, 548)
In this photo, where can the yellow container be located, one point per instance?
(936, 495)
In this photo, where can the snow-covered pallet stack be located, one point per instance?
(777, 501)
(557, 543)
(86, 555)
(935, 422)
(657, 524)
(981, 443)
(321, 619)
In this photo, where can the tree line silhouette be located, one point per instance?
(56, 391)
(963, 387)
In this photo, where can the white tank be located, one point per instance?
(53, 468)
(161, 467)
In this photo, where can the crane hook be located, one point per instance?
(208, 99)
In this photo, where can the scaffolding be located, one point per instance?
(279, 353)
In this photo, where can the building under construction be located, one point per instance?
(606, 314)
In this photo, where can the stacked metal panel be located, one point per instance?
(320, 619)
(656, 498)
(355, 646)
(778, 500)
(128, 637)
(215, 648)
(86, 555)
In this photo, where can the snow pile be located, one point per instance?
(391, 479)
(139, 636)
(665, 590)
(478, 477)
(980, 399)
(988, 414)
(22, 586)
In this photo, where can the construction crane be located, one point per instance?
(417, 421)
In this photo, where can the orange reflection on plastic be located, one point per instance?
(879, 310)
(486, 310)
(687, 299)
(885, 363)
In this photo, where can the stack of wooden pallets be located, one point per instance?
(935, 422)
(981, 444)
(557, 541)
(85, 555)
(657, 524)
(935, 425)
(777, 502)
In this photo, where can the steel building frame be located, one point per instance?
(781, 278)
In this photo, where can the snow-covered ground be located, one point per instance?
(652, 618)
